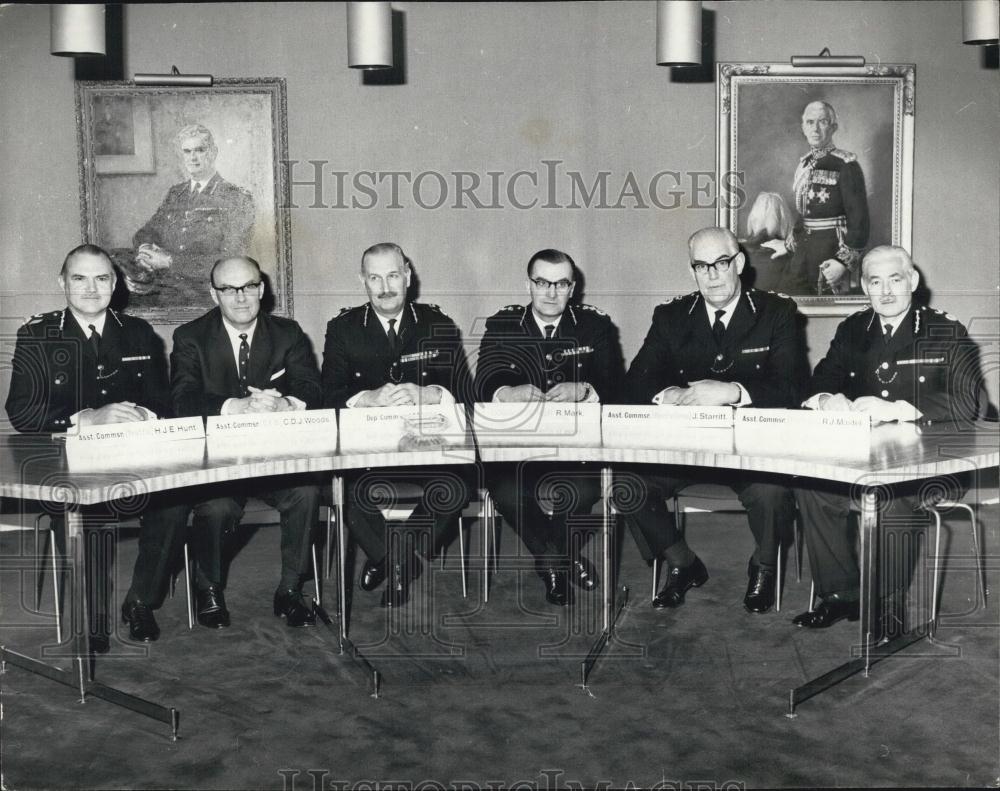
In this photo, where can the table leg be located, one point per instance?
(83, 681)
(610, 613)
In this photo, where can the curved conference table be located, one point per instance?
(37, 468)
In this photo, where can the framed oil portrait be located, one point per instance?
(174, 178)
(815, 167)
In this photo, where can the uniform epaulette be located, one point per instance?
(779, 294)
(512, 309)
(940, 313)
(592, 309)
(847, 156)
(432, 306)
(678, 298)
(39, 316)
(344, 311)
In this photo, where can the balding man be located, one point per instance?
(896, 362)
(88, 365)
(236, 359)
(201, 219)
(720, 345)
(830, 195)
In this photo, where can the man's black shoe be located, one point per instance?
(679, 580)
(760, 589)
(212, 610)
(291, 605)
(141, 623)
(828, 612)
(99, 639)
(557, 590)
(372, 575)
(583, 574)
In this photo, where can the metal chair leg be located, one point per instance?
(461, 553)
(55, 589)
(980, 566)
(812, 595)
(187, 586)
(937, 564)
(656, 573)
(797, 545)
(330, 547)
(316, 579)
(778, 579)
(487, 531)
(39, 563)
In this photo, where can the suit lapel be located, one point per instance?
(72, 329)
(261, 350)
(220, 355)
(740, 324)
(112, 340)
(407, 329)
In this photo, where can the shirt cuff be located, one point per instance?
(224, 410)
(592, 397)
(447, 399)
(905, 411)
(75, 416)
(658, 398)
(353, 400)
(499, 390)
(744, 399)
(813, 401)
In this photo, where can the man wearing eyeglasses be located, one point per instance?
(89, 365)
(722, 344)
(548, 350)
(234, 360)
(388, 352)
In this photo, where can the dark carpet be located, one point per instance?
(478, 695)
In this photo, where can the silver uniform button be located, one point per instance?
(921, 379)
(100, 367)
(852, 374)
(885, 394)
(104, 392)
(357, 374)
(885, 366)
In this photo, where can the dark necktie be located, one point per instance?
(393, 338)
(95, 340)
(886, 334)
(718, 328)
(244, 362)
(549, 329)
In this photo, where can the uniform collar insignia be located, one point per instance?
(572, 314)
(115, 316)
(697, 296)
(413, 312)
(364, 321)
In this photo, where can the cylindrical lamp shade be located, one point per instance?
(981, 21)
(369, 35)
(77, 29)
(678, 32)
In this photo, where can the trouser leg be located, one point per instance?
(770, 512)
(212, 520)
(512, 487)
(163, 524)
(641, 498)
(299, 509)
(830, 540)
(364, 519)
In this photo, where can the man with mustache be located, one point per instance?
(894, 361)
(395, 352)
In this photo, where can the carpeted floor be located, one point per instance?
(488, 694)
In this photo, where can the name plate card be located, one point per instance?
(257, 433)
(538, 423)
(149, 443)
(668, 427)
(402, 428)
(802, 432)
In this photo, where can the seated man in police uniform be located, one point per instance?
(234, 360)
(722, 344)
(395, 352)
(88, 365)
(548, 350)
(896, 362)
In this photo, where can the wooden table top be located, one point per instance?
(36, 467)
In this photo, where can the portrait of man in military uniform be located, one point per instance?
(201, 219)
(204, 183)
(835, 147)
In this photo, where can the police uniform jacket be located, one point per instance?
(829, 186)
(204, 371)
(215, 222)
(760, 349)
(55, 372)
(357, 355)
(929, 362)
(515, 352)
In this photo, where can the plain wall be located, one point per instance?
(503, 87)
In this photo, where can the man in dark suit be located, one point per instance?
(394, 352)
(201, 219)
(88, 365)
(234, 360)
(896, 362)
(548, 350)
(722, 344)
